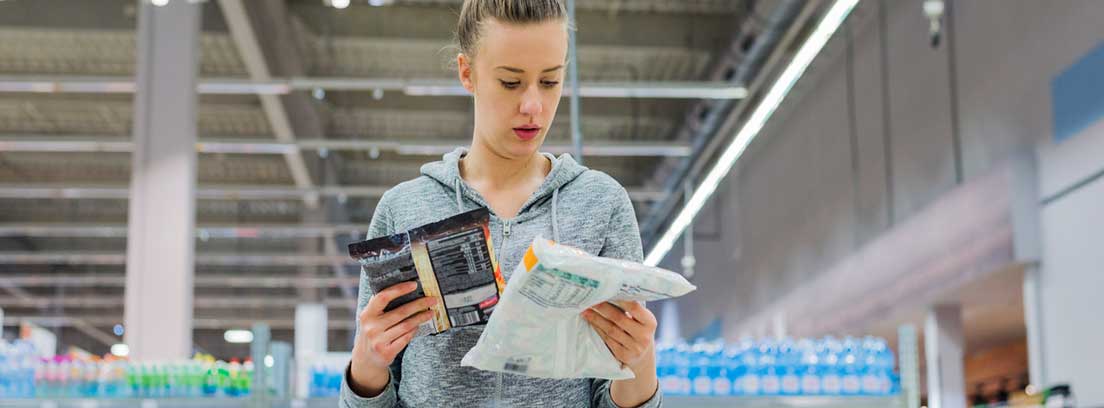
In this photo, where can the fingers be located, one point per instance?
(609, 328)
(399, 314)
(386, 350)
(411, 323)
(619, 318)
(401, 342)
(380, 300)
(639, 312)
(390, 342)
(620, 351)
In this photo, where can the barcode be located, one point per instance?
(467, 318)
(517, 368)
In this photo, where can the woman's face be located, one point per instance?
(516, 79)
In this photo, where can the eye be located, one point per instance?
(510, 84)
(550, 84)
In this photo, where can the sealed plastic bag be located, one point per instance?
(537, 329)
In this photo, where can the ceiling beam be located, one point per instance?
(250, 22)
(228, 192)
(118, 280)
(264, 231)
(704, 124)
(95, 332)
(249, 48)
(22, 298)
(197, 323)
(718, 90)
(208, 259)
(102, 144)
(201, 302)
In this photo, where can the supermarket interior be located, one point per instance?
(816, 203)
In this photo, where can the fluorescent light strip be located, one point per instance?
(238, 336)
(763, 111)
(120, 350)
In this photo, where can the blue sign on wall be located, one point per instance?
(1078, 95)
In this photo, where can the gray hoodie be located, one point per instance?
(577, 206)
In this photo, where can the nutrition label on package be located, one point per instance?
(556, 288)
(461, 261)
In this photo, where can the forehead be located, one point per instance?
(532, 47)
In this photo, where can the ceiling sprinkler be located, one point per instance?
(934, 10)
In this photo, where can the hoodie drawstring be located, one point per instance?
(555, 229)
(459, 197)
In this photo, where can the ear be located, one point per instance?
(464, 72)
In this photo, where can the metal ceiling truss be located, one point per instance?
(226, 192)
(267, 86)
(202, 280)
(91, 144)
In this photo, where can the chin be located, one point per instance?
(519, 149)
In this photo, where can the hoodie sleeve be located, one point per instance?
(380, 225)
(622, 241)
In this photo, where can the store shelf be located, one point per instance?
(169, 403)
(670, 401)
(784, 402)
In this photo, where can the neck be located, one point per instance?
(483, 165)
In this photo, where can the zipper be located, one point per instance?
(498, 389)
(498, 376)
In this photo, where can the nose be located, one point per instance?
(531, 103)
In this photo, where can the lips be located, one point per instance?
(527, 132)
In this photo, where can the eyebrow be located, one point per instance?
(522, 71)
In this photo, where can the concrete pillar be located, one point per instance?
(311, 321)
(161, 229)
(944, 344)
(1033, 321)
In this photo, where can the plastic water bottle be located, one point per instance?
(17, 369)
(852, 385)
(245, 385)
(885, 361)
(108, 386)
(789, 359)
(809, 369)
(722, 373)
(317, 380)
(751, 382)
(870, 369)
(830, 381)
(665, 368)
(716, 370)
(7, 377)
(768, 370)
(699, 362)
(682, 368)
(734, 368)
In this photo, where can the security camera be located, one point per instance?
(934, 10)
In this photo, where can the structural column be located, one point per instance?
(311, 337)
(161, 229)
(944, 346)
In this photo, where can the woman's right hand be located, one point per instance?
(383, 335)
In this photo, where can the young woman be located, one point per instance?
(512, 57)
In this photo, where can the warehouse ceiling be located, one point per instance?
(262, 246)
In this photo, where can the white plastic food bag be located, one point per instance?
(537, 329)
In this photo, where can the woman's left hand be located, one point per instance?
(629, 333)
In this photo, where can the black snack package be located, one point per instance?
(386, 262)
(452, 260)
(459, 253)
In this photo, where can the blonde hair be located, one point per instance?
(476, 12)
